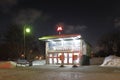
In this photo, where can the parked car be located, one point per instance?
(22, 62)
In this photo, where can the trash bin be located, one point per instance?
(85, 60)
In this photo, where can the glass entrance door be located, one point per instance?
(54, 58)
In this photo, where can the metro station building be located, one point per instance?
(68, 48)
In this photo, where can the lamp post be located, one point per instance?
(26, 30)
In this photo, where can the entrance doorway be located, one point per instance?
(54, 58)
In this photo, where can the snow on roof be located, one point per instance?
(60, 36)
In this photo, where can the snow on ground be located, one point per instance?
(38, 62)
(112, 60)
(7, 64)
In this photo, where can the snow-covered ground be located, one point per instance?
(12, 64)
(38, 62)
(112, 60)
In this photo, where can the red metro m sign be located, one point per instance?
(59, 28)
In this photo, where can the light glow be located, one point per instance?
(27, 30)
(59, 28)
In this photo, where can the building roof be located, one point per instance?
(63, 36)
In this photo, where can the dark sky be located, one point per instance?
(90, 18)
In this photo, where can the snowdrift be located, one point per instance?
(7, 64)
(38, 62)
(112, 60)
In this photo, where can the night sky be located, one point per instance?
(90, 18)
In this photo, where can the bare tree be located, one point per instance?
(110, 43)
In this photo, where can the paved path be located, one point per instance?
(60, 73)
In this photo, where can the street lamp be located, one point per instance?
(26, 30)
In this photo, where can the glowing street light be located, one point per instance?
(26, 30)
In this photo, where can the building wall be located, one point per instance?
(68, 48)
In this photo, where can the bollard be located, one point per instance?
(62, 60)
(74, 57)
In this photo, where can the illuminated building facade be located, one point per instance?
(72, 47)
